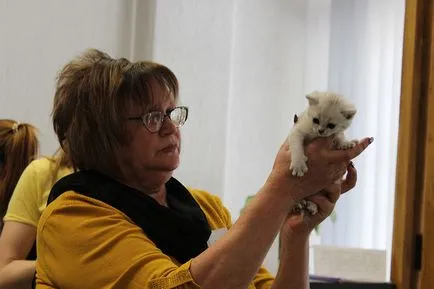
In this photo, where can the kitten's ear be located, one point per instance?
(312, 98)
(349, 113)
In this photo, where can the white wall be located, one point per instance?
(266, 85)
(194, 39)
(266, 89)
(317, 56)
(38, 37)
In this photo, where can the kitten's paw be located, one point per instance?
(298, 167)
(312, 208)
(306, 208)
(299, 207)
(348, 144)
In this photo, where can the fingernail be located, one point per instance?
(371, 140)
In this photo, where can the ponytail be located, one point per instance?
(19, 146)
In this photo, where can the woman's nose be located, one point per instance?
(168, 126)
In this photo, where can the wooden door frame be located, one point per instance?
(411, 142)
(425, 278)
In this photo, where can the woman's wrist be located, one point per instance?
(296, 238)
(286, 193)
(293, 242)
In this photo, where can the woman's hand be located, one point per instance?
(295, 231)
(324, 163)
(326, 199)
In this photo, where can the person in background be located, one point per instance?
(29, 199)
(19, 145)
(121, 220)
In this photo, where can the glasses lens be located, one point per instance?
(179, 115)
(153, 121)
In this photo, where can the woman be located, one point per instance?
(18, 147)
(17, 250)
(123, 221)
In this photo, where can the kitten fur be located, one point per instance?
(327, 114)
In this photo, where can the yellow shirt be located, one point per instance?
(31, 192)
(85, 243)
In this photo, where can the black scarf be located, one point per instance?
(180, 230)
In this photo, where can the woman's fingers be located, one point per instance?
(349, 154)
(324, 203)
(351, 178)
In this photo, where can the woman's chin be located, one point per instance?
(171, 160)
(170, 165)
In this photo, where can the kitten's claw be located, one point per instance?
(298, 168)
(297, 173)
(348, 145)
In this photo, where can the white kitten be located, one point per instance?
(327, 114)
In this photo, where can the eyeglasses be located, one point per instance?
(153, 120)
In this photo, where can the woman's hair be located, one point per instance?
(19, 146)
(61, 159)
(93, 94)
(58, 161)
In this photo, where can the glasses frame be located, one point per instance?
(163, 116)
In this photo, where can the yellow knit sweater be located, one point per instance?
(84, 243)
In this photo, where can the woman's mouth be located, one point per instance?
(170, 149)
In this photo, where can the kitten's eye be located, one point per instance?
(316, 120)
(331, 126)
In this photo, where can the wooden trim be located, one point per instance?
(425, 278)
(408, 172)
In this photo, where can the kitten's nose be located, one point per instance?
(321, 131)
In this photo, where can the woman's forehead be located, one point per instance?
(153, 95)
(158, 104)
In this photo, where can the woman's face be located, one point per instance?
(151, 156)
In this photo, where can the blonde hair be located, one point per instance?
(92, 94)
(19, 145)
